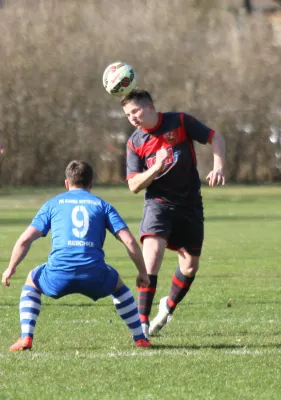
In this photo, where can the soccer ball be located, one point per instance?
(119, 79)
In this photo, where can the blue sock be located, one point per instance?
(30, 303)
(127, 309)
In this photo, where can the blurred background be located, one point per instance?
(219, 60)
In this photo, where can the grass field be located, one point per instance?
(209, 351)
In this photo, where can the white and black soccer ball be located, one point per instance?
(119, 79)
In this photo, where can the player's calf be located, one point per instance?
(30, 304)
(145, 300)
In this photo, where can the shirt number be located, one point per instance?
(81, 224)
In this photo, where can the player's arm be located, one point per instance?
(19, 252)
(143, 179)
(216, 176)
(135, 253)
(198, 131)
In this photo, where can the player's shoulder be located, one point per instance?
(137, 138)
(176, 115)
(51, 203)
(58, 198)
(96, 200)
(99, 202)
(102, 205)
(55, 199)
(171, 114)
(171, 120)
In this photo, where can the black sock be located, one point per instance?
(145, 298)
(179, 288)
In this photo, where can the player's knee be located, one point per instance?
(153, 251)
(193, 269)
(153, 263)
(190, 267)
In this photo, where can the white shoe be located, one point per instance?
(161, 319)
(145, 329)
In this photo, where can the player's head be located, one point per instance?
(139, 109)
(79, 174)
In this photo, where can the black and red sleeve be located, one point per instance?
(196, 130)
(135, 164)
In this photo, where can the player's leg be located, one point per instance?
(181, 282)
(126, 307)
(182, 279)
(30, 304)
(103, 281)
(188, 239)
(153, 252)
(39, 281)
(155, 228)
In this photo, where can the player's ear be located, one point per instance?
(66, 184)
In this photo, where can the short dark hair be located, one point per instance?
(79, 173)
(140, 96)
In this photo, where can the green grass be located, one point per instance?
(209, 350)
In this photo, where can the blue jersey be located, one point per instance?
(78, 221)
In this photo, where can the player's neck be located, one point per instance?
(79, 188)
(153, 123)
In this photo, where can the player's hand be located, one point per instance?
(142, 280)
(161, 157)
(216, 177)
(7, 275)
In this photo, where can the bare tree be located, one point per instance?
(203, 61)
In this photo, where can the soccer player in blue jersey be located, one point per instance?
(161, 159)
(78, 221)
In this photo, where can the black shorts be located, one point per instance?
(183, 228)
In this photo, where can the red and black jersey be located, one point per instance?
(178, 183)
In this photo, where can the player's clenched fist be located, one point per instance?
(143, 280)
(161, 157)
(7, 275)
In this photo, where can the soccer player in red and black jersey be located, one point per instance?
(161, 159)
